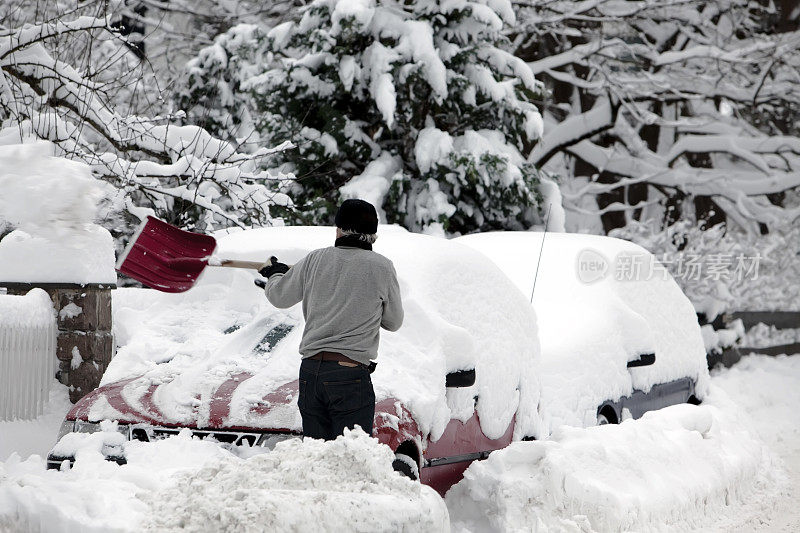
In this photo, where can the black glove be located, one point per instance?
(260, 283)
(273, 268)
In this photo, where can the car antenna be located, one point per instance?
(539, 259)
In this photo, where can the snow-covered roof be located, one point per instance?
(461, 310)
(594, 320)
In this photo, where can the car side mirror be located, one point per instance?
(462, 378)
(646, 359)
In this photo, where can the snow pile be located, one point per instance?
(26, 437)
(95, 495)
(347, 484)
(53, 202)
(762, 335)
(83, 256)
(42, 191)
(185, 483)
(767, 389)
(592, 322)
(678, 468)
(460, 312)
(34, 309)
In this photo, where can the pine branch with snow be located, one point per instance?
(417, 106)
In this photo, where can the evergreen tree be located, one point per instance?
(416, 106)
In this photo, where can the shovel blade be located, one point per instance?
(166, 258)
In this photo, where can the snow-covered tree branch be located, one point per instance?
(701, 95)
(151, 162)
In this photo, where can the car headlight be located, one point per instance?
(124, 429)
(82, 426)
(269, 440)
(68, 426)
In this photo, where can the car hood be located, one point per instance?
(134, 401)
(217, 405)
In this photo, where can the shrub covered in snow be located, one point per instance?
(417, 106)
(772, 260)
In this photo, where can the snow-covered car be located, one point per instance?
(221, 362)
(618, 337)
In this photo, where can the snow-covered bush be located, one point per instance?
(723, 268)
(417, 106)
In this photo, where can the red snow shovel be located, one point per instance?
(170, 259)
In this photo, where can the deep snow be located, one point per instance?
(56, 239)
(84, 254)
(27, 437)
(191, 485)
(684, 468)
(767, 393)
(344, 485)
(679, 468)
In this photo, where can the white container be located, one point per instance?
(27, 354)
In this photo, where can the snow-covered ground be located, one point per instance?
(730, 464)
(767, 393)
(681, 468)
(184, 483)
(28, 437)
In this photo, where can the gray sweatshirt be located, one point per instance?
(348, 294)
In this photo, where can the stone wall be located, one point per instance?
(85, 344)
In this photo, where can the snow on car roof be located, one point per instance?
(592, 318)
(460, 311)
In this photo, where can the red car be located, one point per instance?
(456, 382)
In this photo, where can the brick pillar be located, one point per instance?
(85, 344)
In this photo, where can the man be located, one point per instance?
(348, 292)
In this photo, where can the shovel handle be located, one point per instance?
(233, 263)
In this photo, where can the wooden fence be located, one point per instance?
(779, 319)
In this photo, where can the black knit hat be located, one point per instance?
(358, 216)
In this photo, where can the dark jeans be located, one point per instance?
(334, 397)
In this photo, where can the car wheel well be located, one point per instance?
(409, 448)
(693, 400)
(610, 414)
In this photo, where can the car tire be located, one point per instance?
(406, 466)
(602, 420)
